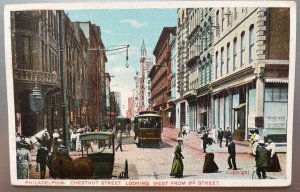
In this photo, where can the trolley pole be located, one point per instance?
(64, 104)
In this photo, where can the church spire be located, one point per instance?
(143, 50)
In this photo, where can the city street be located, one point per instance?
(154, 162)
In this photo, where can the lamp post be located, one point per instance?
(36, 102)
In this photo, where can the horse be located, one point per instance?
(42, 137)
(62, 166)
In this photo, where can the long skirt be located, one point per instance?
(209, 164)
(177, 167)
(273, 164)
(23, 170)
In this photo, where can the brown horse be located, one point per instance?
(64, 167)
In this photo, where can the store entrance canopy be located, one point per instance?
(240, 106)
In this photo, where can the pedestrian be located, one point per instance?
(213, 134)
(261, 159)
(204, 140)
(177, 165)
(220, 136)
(227, 134)
(78, 142)
(183, 132)
(42, 159)
(209, 164)
(256, 139)
(273, 163)
(119, 141)
(251, 141)
(73, 140)
(55, 134)
(23, 159)
(232, 154)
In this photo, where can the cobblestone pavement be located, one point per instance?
(154, 162)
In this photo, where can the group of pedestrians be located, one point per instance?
(265, 154)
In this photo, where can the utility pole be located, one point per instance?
(64, 104)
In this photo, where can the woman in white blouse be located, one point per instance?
(273, 164)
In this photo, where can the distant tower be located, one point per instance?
(143, 50)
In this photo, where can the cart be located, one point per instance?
(104, 156)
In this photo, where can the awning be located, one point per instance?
(276, 80)
(239, 106)
(203, 111)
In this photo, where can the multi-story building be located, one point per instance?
(130, 110)
(108, 99)
(160, 75)
(174, 87)
(182, 109)
(236, 68)
(96, 73)
(118, 103)
(251, 71)
(36, 70)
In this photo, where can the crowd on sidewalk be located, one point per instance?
(266, 159)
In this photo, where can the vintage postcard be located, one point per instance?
(178, 94)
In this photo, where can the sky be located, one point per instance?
(122, 27)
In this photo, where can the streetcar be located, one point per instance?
(123, 124)
(147, 128)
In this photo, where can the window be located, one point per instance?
(223, 19)
(277, 93)
(235, 14)
(242, 48)
(234, 54)
(251, 43)
(222, 61)
(228, 57)
(217, 24)
(216, 70)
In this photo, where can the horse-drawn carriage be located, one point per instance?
(103, 157)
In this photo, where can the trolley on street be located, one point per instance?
(147, 128)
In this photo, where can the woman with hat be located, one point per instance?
(273, 164)
(23, 159)
(177, 165)
(209, 164)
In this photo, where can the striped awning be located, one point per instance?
(276, 80)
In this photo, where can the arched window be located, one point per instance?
(217, 24)
(222, 61)
(242, 48)
(228, 58)
(251, 43)
(234, 54)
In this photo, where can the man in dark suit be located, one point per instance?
(232, 154)
(204, 140)
(227, 135)
(261, 159)
(220, 136)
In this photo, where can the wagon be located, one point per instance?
(104, 156)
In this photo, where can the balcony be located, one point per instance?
(40, 77)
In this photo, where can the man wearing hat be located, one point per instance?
(232, 154)
(261, 159)
(220, 136)
(119, 140)
(204, 139)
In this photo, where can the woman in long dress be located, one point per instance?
(23, 159)
(273, 162)
(209, 164)
(177, 165)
